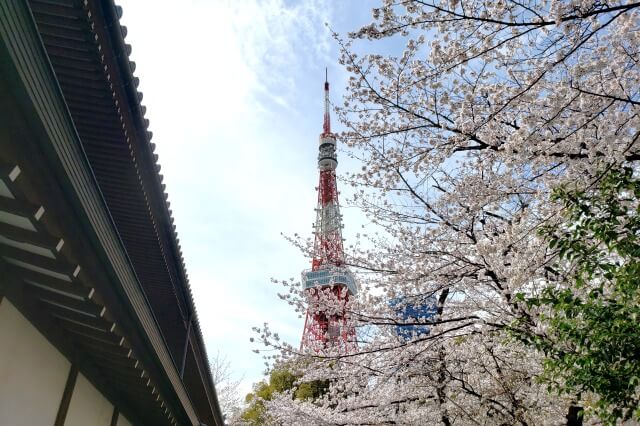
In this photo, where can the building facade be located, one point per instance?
(97, 322)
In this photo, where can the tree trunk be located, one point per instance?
(574, 416)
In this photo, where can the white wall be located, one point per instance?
(32, 372)
(122, 421)
(88, 406)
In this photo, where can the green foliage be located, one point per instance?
(312, 390)
(254, 413)
(592, 336)
(280, 380)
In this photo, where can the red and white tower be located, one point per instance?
(329, 284)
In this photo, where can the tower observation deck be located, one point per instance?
(329, 284)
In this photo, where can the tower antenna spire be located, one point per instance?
(326, 128)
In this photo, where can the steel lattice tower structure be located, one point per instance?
(328, 276)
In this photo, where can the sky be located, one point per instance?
(234, 95)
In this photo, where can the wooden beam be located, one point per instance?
(92, 346)
(66, 396)
(69, 303)
(21, 208)
(72, 316)
(114, 416)
(92, 333)
(77, 55)
(66, 43)
(10, 171)
(131, 377)
(39, 239)
(61, 11)
(27, 260)
(46, 29)
(40, 280)
(74, 63)
(116, 361)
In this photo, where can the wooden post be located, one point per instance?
(66, 396)
(3, 273)
(114, 416)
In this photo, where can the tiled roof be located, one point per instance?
(86, 46)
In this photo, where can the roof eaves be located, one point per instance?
(112, 14)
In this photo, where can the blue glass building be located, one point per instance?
(413, 309)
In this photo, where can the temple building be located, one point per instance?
(97, 322)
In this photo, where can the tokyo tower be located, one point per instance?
(326, 324)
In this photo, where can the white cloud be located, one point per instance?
(277, 41)
(235, 110)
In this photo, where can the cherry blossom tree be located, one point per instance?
(226, 386)
(466, 115)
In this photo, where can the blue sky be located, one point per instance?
(233, 90)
